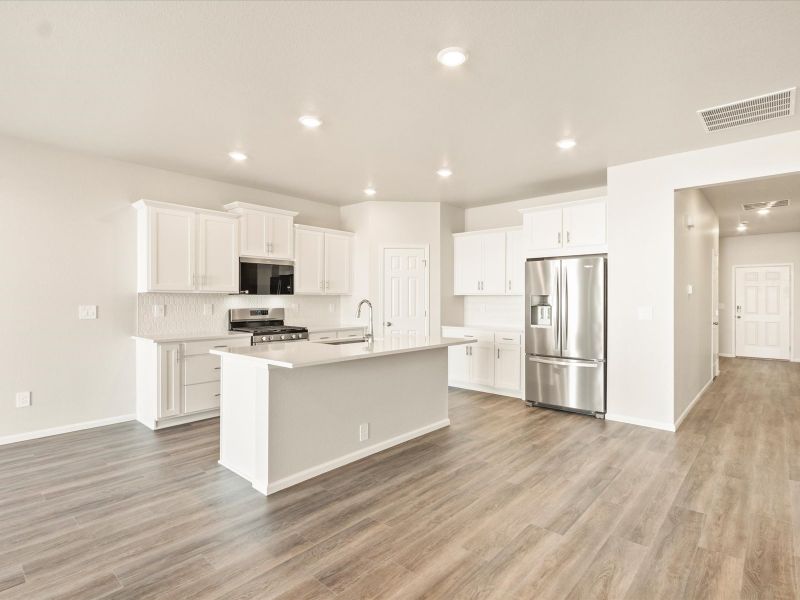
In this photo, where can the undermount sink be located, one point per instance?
(344, 341)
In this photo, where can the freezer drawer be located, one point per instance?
(576, 385)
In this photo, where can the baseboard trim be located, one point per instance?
(641, 422)
(688, 409)
(485, 389)
(312, 472)
(181, 420)
(41, 433)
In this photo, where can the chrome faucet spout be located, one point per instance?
(370, 335)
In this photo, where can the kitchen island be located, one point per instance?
(294, 410)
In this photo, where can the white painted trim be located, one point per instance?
(179, 420)
(486, 389)
(381, 296)
(641, 422)
(311, 472)
(793, 356)
(240, 206)
(533, 209)
(493, 230)
(727, 355)
(40, 433)
(685, 413)
(323, 229)
(144, 203)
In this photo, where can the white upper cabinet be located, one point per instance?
(264, 232)
(323, 259)
(185, 249)
(566, 229)
(488, 263)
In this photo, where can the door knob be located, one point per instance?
(715, 323)
(388, 323)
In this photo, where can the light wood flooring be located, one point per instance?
(507, 503)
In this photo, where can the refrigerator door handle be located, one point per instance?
(565, 302)
(558, 308)
(564, 363)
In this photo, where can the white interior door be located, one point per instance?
(405, 293)
(763, 311)
(715, 312)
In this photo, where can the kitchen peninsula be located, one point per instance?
(295, 410)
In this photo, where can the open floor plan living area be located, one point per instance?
(375, 299)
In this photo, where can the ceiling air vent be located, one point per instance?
(753, 110)
(761, 205)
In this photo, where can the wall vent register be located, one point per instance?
(763, 205)
(752, 110)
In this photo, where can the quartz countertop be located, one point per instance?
(487, 328)
(317, 329)
(164, 338)
(293, 355)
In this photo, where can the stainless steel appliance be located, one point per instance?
(265, 324)
(264, 277)
(565, 333)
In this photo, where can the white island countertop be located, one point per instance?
(163, 338)
(293, 355)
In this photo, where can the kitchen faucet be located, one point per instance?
(369, 336)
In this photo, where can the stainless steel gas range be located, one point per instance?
(265, 324)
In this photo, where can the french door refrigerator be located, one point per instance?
(565, 333)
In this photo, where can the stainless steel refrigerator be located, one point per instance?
(565, 333)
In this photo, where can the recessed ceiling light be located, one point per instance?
(236, 155)
(452, 57)
(741, 227)
(370, 191)
(566, 143)
(310, 121)
(763, 211)
(444, 172)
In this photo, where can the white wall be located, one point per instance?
(641, 205)
(506, 214)
(753, 250)
(67, 237)
(694, 250)
(451, 221)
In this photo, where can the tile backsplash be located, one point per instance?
(187, 313)
(495, 311)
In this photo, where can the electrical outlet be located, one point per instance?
(208, 310)
(363, 432)
(159, 310)
(87, 311)
(23, 399)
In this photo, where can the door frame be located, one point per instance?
(791, 302)
(715, 329)
(426, 248)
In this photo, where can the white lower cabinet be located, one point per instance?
(492, 364)
(178, 381)
(333, 334)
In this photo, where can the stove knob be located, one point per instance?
(283, 337)
(263, 338)
(294, 336)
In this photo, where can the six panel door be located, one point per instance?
(404, 294)
(762, 312)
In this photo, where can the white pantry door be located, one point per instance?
(405, 294)
(714, 312)
(762, 311)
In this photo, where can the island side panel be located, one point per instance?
(315, 412)
(244, 426)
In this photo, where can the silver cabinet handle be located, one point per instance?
(568, 237)
(509, 285)
(498, 353)
(559, 238)
(217, 368)
(321, 284)
(216, 395)
(388, 323)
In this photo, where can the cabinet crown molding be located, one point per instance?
(494, 230)
(143, 203)
(533, 209)
(323, 229)
(241, 206)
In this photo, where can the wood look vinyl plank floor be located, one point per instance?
(506, 503)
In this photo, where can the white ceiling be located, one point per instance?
(727, 200)
(178, 84)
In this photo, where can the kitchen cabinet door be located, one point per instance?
(170, 386)
(217, 254)
(309, 266)
(468, 264)
(171, 250)
(280, 240)
(481, 367)
(585, 224)
(337, 263)
(493, 261)
(507, 366)
(515, 263)
(253, 230)
(458, 361)
(542, 229)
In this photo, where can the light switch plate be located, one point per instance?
(363, 432)
(23, 399)
(159, 310)
(645, 313)
(87, 311)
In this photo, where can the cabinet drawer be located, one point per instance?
(203, 346)
(201, 368)
(504, 337)
(350, 333)
(486, 337)
(200, 396)
(321, 335)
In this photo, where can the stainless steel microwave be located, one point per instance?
(265, 277)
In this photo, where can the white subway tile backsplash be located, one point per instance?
(189, 313)
(495, 311)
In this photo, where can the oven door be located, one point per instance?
(262, 277)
